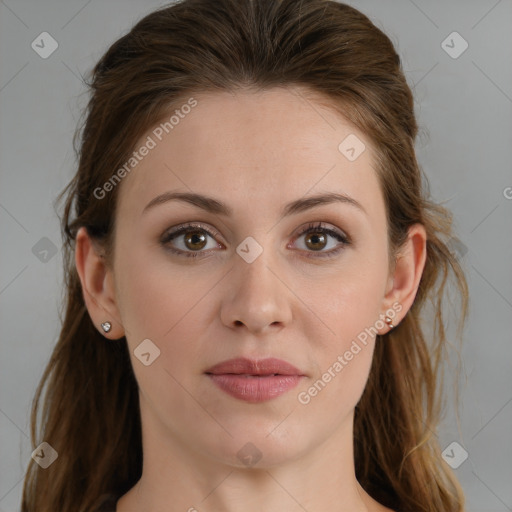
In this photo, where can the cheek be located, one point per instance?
(348, 302)
(157, 305)
(161, 302)
(343, 355)
(147, 301)
(151, 295)
(348, 306)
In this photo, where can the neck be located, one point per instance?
(176, 477)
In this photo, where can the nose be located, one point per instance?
(256, 296)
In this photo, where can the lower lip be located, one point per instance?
(255, 389)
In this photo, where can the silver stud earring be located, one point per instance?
(389, 322)
(106, 326)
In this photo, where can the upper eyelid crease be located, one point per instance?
(211, 205)
(311, 226)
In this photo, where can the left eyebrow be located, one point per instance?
(212, 205)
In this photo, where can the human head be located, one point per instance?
(353, 70)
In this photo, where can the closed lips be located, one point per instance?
(250, 367)
(254, 381)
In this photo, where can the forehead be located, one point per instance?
(271, 146)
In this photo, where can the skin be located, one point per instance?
(255, 152)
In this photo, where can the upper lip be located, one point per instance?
(244, 366)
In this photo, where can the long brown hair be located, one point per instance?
(90, 413)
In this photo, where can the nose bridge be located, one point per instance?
(253, 266)
(258, 297)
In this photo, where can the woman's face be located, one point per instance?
(246, 281)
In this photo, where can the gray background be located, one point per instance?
(464, 108)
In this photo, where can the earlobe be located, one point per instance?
(407, 273)
(97, 286)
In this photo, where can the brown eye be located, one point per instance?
(316, 241)
(317, 237)
(190, 240)
(195, 240)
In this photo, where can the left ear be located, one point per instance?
(405, 279)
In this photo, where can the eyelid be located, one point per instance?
(334, 232)
(324, 227)
(178, 230)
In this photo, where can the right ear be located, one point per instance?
(97, 285)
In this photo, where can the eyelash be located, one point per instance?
(315, 228)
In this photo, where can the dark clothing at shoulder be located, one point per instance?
(108, 503)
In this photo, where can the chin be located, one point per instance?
(259, 445)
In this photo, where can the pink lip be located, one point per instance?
(255, 381)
